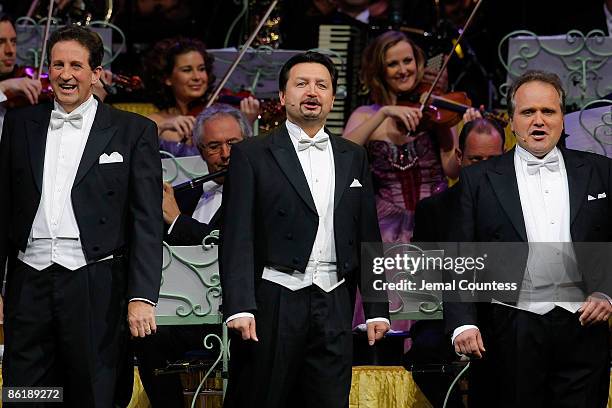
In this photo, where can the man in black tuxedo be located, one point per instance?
(480, 139)
(81, 194)
(191, 216)
(297, 206)
(542, 347)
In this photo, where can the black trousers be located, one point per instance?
(303, 357)
(64, 328)
(541, 361)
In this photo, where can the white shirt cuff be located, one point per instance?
(378, 319)
(144, 300)
(460, 330)
(172, 225)
(2, 97)
(237, 315)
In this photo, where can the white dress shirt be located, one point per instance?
(550, 277)
(208, 205)
(319, 169)
(55, 235)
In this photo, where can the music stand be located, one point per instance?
(590, 129)
(176, 170)
(257, 72)
(581, 61)
(190, 293)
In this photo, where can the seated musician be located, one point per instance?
(179, 75)
(191, 216)
(9, 84)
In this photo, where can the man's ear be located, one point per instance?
(281, 96)
(95, 75)
(458, 155)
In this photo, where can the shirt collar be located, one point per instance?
(608, 13)
(525, 155)
(296, 133)
(81, 109)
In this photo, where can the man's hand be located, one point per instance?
(470, 343)
(246, 327)
(28, 87)
(141, 318)
(376, 331)
(595, 309)
(170, 208)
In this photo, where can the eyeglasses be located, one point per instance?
(215, 147)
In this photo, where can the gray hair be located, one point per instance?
(539, 76)
(213, 111)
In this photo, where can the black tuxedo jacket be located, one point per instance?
(433, 215)
(270, 219)
(117, 206)
(186, 230)
(489, 210)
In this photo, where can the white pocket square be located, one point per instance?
(114, 157)
(355, 183)
(601, 195)
(591, 198)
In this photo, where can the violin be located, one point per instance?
(445, 109)
(15, 100)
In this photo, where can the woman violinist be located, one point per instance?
(409, 157)
(179, 75)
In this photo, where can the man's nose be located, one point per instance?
(225, 151)
(538, 119)
(9, 49)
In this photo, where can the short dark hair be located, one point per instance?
(84, 36)
(159, 63)
(307, 57)
(481, 125)
(7, 18)
(533, 76)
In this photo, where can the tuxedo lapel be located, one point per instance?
(36, 135)
(503, 181)
(286, 157)
(101, 133)
(578, 175)
(342, 164)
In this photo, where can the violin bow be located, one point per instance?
(45, 40)
(448, 57)
(243, 51)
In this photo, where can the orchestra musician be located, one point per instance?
(409, 160)
(179, 76)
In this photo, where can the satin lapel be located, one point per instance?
(99, 136)
(503, 180)
(36, 134)
(342, 163)
(578, 176)
(287, 160)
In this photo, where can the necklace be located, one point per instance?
(404, 156)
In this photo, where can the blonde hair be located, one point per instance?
(373, 65)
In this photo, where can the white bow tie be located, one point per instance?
(320, 143)
(551, 163)
(58, 119)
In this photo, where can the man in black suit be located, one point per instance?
(480, 139)
(547, 349)
(191, 216)
(297, 207)
(81, 194)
